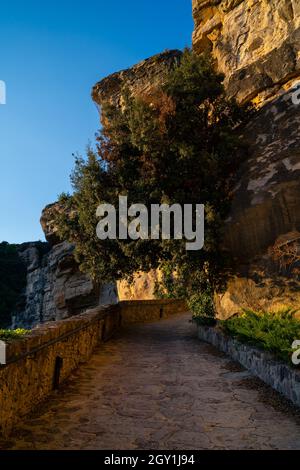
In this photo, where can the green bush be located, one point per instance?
(274, 332)
(202, 307)
(12, 334)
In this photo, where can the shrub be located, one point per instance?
(12, 334)
(274, 332)
(202, 306)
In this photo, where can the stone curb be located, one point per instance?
(280, 376)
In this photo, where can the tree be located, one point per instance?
(174, 145)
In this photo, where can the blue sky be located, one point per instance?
(52, 52)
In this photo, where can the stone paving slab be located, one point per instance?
(156, 386)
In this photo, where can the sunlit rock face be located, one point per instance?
(256, 43)
(265, 214)
(48, 223)
(139, 79)
(142, 287)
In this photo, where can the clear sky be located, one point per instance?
(52, 52)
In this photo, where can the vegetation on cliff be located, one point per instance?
(174, 145)
(12, 281)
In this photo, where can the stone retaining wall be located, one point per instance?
(280, 376)
(38, 363)
(137, 311)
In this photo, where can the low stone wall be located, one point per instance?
(140, 311)
(38, 363)
(280, 376)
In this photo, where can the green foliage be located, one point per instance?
(202, 306)
(274, 332)
(175, 146)
(170, 285)
(12, 281)
(13, 334)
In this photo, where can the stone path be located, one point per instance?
(156, 386)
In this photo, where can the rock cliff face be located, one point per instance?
(139, 79)
(56, 289)
(267, 195)
(255, 43)
(262, 232)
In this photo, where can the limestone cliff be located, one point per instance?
(139, 79)
(56, 289)
(255, 43)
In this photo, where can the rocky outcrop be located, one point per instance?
(48, 224)
(139, 79)
(141, 288)
(267, 194)
(56, 289)
(255, 43)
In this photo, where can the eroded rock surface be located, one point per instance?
(267, 194)
(265, 209)
(255, 42)
(139, 79)
(48, 224)
(56, 288)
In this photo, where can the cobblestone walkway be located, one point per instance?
(156, 386)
